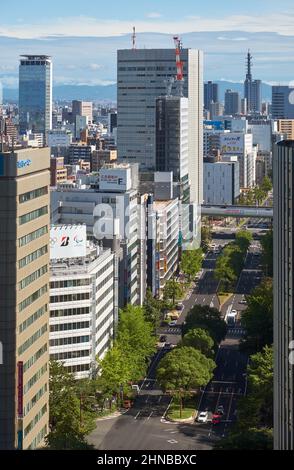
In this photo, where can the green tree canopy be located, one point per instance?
(172, 291)
(115, 372)
(206, 318)
(199, 339)
(257, 319)
(135, 338)
(183, 370)
(267, 253)
(68, 427)
(206, 237)
(152, 310)
(192, 262)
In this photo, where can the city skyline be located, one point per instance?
(224, 37)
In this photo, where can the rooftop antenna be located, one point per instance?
(134, 39)
(180, 65)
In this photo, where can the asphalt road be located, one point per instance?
(144, 426)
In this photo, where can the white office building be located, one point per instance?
(107, 204)
(82, 310)
(241, 145)
(142, 78)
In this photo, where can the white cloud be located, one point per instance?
(96, 66)
(154, 14)
(86, 26)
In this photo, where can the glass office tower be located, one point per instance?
(35, 94)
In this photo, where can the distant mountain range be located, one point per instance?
(108, 92)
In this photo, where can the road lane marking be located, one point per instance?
(137, 415)
(149, 417)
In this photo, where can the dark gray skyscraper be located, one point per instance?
(252, 90)
(210, 94)
(232, 103)
(35, 94)
(283, 170)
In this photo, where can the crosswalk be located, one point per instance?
(236, 332)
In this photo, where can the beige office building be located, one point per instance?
(286, 126)
(24, 297)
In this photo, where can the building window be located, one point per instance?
(70, 326)
(38, 314)
(33, 277)
(23, 241)
(69, 312)
(33, 257)
(33, 380)
(24, 219)
(32, 298)
(33, 194)
(32, 340)
(68, 341)
(35, 421)
(69, 298)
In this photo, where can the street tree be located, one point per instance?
(191, 262)
(152, 310)
(267, 253)
(257, 319)
(206, 237)
(266, 184)
(201, 340)
(172, 291)
(136, 339)
(206, 318)
(68, 427)
(184, 370)
(115, 373)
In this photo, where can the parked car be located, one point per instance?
(202, 417)
(173, 323)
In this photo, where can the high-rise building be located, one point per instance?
(232, 103)
(210, 94)
(35, 94)
(142, 77)
(82, 108)
(24, 299)
(282, 102)
(283, 171)
(82, 299)
(252, 90)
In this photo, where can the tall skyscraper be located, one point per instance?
(210, 94)
(35, 94)
(232, 103)
(283, 171)
(24, 299)
(282, 102)
(82, 108)
(142, 77)
(252, 90)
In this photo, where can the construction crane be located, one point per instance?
(180, 66)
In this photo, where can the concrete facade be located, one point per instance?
(24, 299)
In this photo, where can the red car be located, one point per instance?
(216, 419)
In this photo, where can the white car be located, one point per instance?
(233, 312)
(202, 417)
(173, 323)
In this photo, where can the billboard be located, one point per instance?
(115, 179)
(232, 144)
(68, 241)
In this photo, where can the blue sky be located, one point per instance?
(34, 10)
(83, 37)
